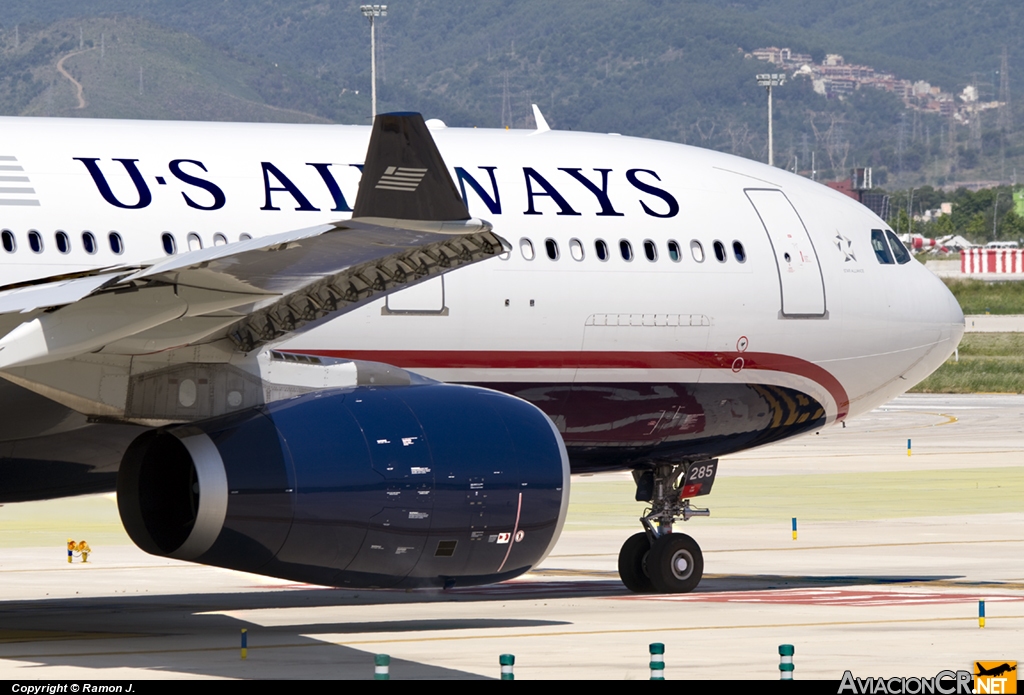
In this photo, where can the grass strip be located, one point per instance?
(980, 297)
(988, 363)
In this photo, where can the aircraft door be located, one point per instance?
(800, 280)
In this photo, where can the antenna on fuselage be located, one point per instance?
(542, 124)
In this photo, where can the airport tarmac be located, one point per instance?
(994, 323)
(892, 556)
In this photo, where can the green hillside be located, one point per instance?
(128, 68)
(671, 70)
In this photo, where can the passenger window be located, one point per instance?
(89, 243)
(116, 244)
(526, 248)
(576, 249)
(601, 249)
(35, 241)
(10, 245)
(881, 248)
(170, 246)
(219, 240)
(650, 250)
(551, 246)
(626, 249)
(738, 252)
(697, 251)
(720, 251)
(194, 242)
(673, 251)
(898, 249)
(63, 243)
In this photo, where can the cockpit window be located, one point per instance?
(898, 249)
(881, 248)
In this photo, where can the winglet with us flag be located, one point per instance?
(404, 176)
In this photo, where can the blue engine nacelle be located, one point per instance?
(422, 485)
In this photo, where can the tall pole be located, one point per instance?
(373, 70)
(768, 81)
(995, 213)
(370, 12)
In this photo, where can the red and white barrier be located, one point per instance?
(1001, 261)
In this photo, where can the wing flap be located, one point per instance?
(401, 234)
(55, 293)
(353, 286)
(287, 264)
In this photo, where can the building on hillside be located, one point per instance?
(783, 57)
(835, 78)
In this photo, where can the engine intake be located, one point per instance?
(420, 485)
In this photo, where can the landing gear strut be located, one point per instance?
(659, 560)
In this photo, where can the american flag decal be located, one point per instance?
(401, 179)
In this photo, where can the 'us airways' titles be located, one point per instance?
(280, 192)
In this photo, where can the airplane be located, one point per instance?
(326, 354)
(995, 671)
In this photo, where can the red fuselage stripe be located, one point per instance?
(509, 359)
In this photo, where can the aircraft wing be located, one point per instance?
(409, 224)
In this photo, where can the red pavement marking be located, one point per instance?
(806, 597)
(826, 597)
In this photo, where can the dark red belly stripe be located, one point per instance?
(509, 359)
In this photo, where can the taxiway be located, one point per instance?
(893, 554)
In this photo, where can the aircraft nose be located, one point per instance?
(937, 314)
(943, 310)
(955, 318)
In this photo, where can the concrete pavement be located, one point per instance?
(893, 554)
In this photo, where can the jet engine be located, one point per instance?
(386, 486)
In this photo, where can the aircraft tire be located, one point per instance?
(675, 564)
(632, 564)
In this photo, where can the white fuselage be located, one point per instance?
(814, 313)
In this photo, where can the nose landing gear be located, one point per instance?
(633, 564)
(675, 564)
(658, 560)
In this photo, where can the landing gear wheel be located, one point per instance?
(675, 564)
(632, 564)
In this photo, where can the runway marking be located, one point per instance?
(823, 597)
(912, 410)
(950, 419)
(391, 639)
(526, 586)
(93, 567)
(832, 581)
(820, 547)
(864, 545)
(20, 636)
(947, 451)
